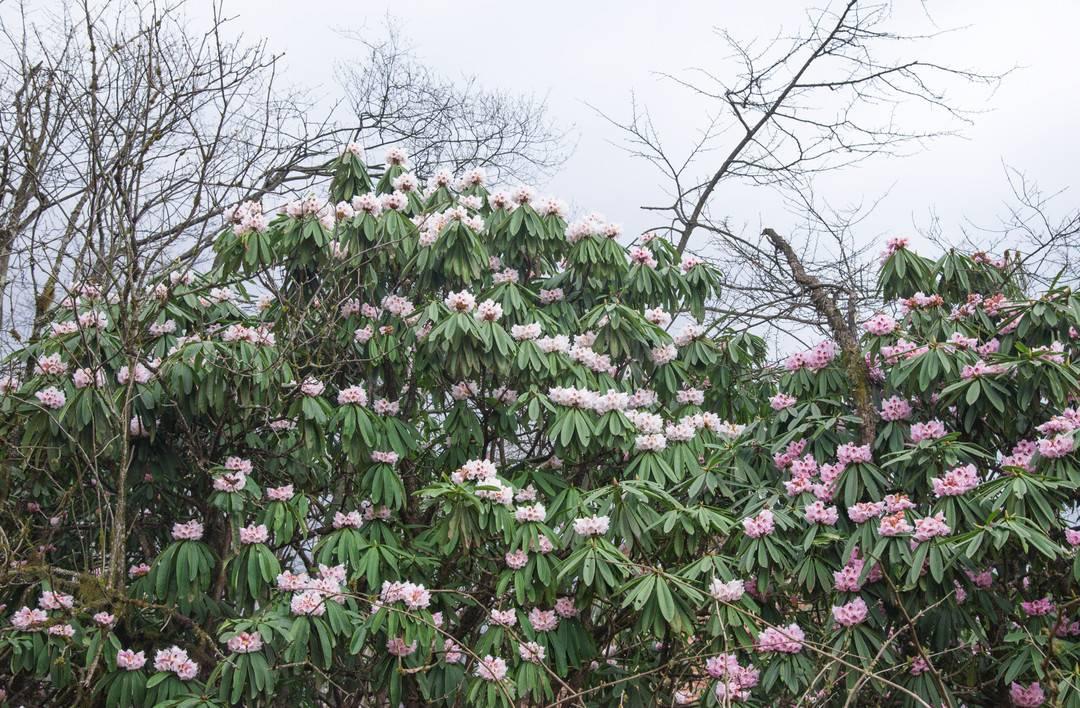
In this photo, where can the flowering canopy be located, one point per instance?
(438, 446)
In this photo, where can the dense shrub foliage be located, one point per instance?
(437, 446)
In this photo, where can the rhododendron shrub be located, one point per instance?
(432, 443)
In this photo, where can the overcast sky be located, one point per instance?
(595, 53)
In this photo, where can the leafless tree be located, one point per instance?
(818, 101)
(392, 98)
(126, 130)
(1040, 229)
(125, 135)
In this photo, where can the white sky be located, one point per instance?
(579, 53)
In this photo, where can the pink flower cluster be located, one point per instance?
(928, 527)
(548, 297)
(50, 365)
(1068, 421)
(880, 325)
(350, 520)
(864, 511)
(526, 332)
(1021, 455)
(129, 660)
(565, 608)
(847, 578)
(794, 449)
(412, 595)
(531, 652)
(803, 470)
(284, 493)
(850, 613)
(734, 680)
(981, 368)
(760, 525)
(1056, 447)
(176, 660)
(51, 397)
(491, 668)
(814, 359)
(922, 301)
(396, 646)
(894, 524)
(781, 401)
(254, 534)
(52, 600)
(230, 482)
(957, 481)
(852, 454)
(543, 620)
(786, 640)
(504, 618)
(384, 457)
(1038, 608)
(26, 619)
(895, 408)
(664, 354)
(353, 395)
(188, 531)
(730, 591)
(463, 301)
(903, 349)
(894, 244)
(488, 311)
(245, 643)
(535, 513)
(817, 513)
(642, 256)
(1031, 696)
(592, 525)
(516, 560)
(930, 430)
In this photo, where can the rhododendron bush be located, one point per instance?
(429, 442)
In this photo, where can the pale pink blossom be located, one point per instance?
(516, 560)
(254, 534)
(491, 668)
(956, 481)
(930, 430)
(928, 527)
(591, 525)
(543, 620)
(531, 652)
(245, 643)
(850, 613)
(129, 660)
(787, 640)
(781, 401)
(188, 531)
(726, 592)
(760, 525)
(284, 493)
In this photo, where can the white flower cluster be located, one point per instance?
(431, 225)
(489, 486)
(526, 332)
(592, 225)
(311, 594)
(246, 218)
(592, 525)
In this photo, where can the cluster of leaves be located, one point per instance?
(316, 470)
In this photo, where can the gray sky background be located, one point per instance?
(582, 53)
